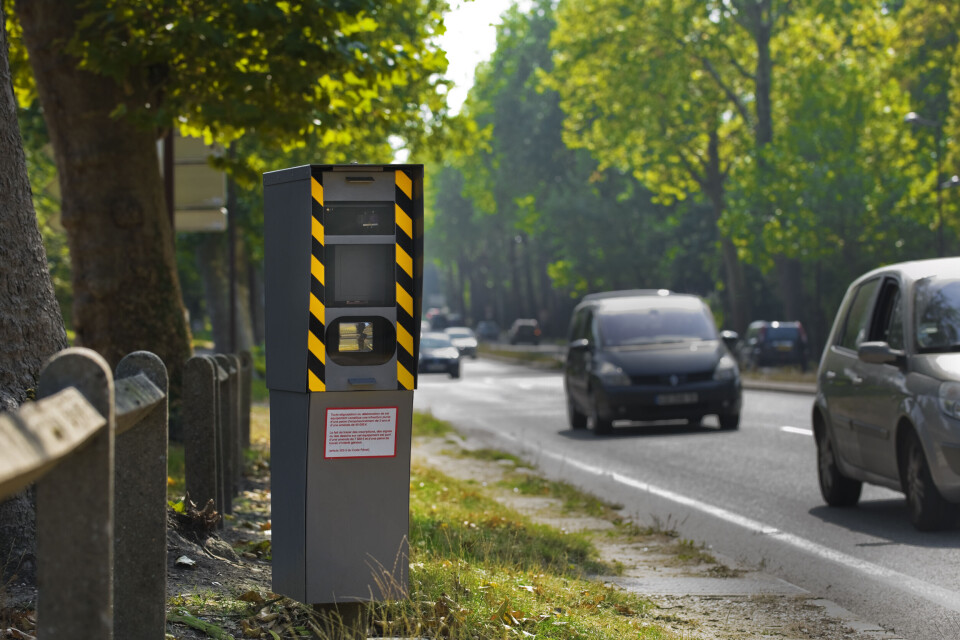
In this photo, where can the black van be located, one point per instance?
(648, 355)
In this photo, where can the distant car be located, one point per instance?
(648, 355)
(777, 343)
(438, 355)
(887, 409)
(464, 339)
(488, 330)
(524, 330)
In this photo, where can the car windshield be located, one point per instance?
(655, 326)
(435, 342)
(937, 306)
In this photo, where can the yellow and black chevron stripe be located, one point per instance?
(406, 363)
(316, 351)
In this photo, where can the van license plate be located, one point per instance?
(675, 398)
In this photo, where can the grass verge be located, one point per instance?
(478, 570)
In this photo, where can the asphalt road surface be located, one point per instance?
(750, 494)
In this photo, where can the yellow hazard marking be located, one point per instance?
(317, 230)
(405, 184)
(404, 377)
(404, 221)
(314, 383)
(316, 308)
(316, 347)
(404, 260)
(404, 300)
(316, 190)
(316, 268)
(404, 339)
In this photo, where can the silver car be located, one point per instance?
(887, 409)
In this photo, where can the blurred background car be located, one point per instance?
(438, 355)
(772, 344)
(488, 330)
(644, 356)
(887, 408)
(524, 331)
(464, 339)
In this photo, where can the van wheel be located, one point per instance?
(455, 372)
(577, 420)
(601, 426)
(837, 489)
(928, 510)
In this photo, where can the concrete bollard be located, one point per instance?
(140, 560)
(75, 510)
(200, 430)
(246, 381)
(237, 422)
(226, 432)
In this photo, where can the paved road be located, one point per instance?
(751, 494)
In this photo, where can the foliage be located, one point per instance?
(777, 126)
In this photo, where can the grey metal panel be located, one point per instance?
(287, 216)
(337, 186)
(358, 510)
(289, 419)
(286, 175)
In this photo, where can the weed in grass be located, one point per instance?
(572, 498)
(689, 552)
(493, 455)
(424, 424)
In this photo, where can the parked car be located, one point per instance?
(887, 408)
(464, 339)
(648, 355)
(524, 330)
(438, 355)
(776, 343)
(488, 330)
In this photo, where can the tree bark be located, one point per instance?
(31, 327)
(215, 276)
(126, 289)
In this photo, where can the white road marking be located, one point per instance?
(797, 430)
(943, 597)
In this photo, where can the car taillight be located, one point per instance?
(536, 332)
(763, 332)
(803, 334)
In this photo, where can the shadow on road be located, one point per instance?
(887, 520)
(663, 428)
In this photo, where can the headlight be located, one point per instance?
(726, 369)
(611, 374)
(950, 399)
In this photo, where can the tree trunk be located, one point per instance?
(31, 327)
(215, 274)
(790, 281)
(738, 304)
(126, 290)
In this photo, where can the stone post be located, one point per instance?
(75, 512)
(140, 561)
